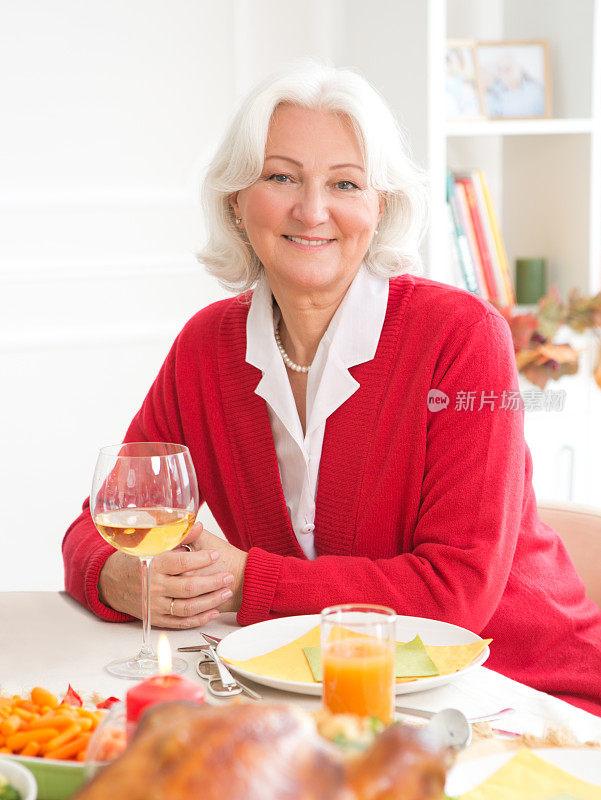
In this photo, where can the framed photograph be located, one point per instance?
(462, 96)
(514, 79)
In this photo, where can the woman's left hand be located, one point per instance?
(231, 560)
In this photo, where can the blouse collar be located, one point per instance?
(351, 338)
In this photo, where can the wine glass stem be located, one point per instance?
(146, 646)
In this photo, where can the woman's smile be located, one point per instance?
(309, 244)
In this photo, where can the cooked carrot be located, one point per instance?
(52, 720)
(64, 737)
(20, 739)
(25, 704)
(86, 713)
(70, 749)
(31, 749)
(67, 711)
(11, 725)
(24, 714)
(4, 750)
(98, 716)
(81, 756)
(42, 697)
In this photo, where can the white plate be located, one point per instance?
(583, 764)
(256, 640)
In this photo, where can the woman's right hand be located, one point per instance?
(196, 597)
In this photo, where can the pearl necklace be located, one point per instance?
(287, 360)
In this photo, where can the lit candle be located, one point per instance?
(162, 688)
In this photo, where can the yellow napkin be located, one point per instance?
(288, 663)
(529, 777)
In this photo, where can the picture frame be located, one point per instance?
(463, 98)
(514, 78)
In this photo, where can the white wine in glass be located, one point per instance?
(144, 532)
(144, 501)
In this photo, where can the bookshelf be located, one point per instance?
(545, 181)
(545, 175)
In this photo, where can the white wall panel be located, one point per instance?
(118, 92)
(32, 239)
(386, 41)
(111, 111)
(272, 32)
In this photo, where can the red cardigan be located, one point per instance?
(430, 512)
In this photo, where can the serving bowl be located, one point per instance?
(19, 777)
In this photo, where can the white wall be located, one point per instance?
(111, 109)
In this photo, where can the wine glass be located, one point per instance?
(144, 501)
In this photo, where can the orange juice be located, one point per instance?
(358, 678)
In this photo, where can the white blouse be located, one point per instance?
(351, 338)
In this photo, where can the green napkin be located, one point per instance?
(313, 656)
(411, 660)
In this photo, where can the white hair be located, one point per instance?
(238, 163)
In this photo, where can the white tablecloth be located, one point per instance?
(48, 639)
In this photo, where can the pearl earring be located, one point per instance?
(238, 220)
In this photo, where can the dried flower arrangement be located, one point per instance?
(537, 356)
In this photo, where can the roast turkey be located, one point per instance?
(183, 751)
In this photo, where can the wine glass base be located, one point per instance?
(138, 668)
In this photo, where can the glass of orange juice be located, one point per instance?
(357, 647)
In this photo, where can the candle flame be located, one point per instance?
(164, 655)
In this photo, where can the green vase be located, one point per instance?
(530, 280)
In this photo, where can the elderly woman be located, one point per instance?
(349, 422)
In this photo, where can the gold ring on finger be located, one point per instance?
(171, 606)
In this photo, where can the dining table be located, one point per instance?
(48, 639)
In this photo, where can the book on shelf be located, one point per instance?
(461, 256)
(502, 265)
(457, 276)
(475, 240)
(465, 222)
